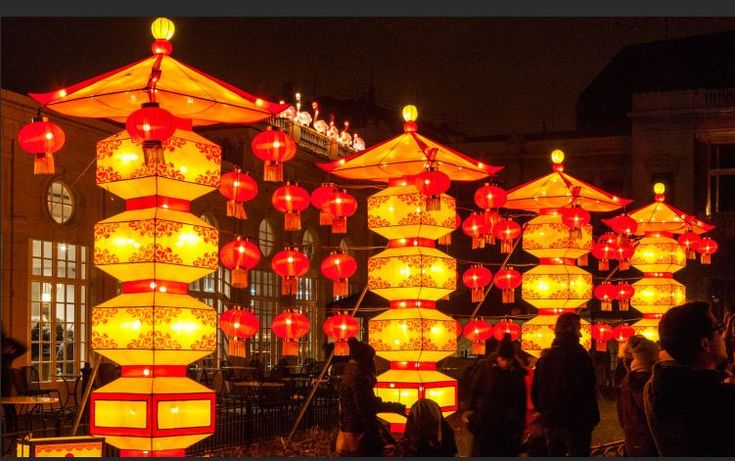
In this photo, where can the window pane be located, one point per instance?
(727, 193)
(37, 248)
(265, 237)
(727, 156)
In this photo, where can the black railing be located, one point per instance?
(311, 140)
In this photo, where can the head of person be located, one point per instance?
(568, 325)
(505, 353)
(424, 420)
(643, 351)
(692, 336)
(362, 353)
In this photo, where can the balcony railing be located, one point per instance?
(311, 140)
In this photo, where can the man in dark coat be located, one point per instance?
(11, 350)
(689, 407)
(564, 391)
(498, 402)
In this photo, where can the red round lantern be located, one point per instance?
(319, 197)
(478, 331)
(605, 292)
(238, 324)
(507, 231)
(150, 123)
(706, 247)
(622, 224)
(602, 333)
(240, 256)
(341, 327)
(622, 332)
(291, 199)
(273, 147)
(162, 46)
(604, 250)
(508, 280)
(623, 292)
(689, 241)
(446, 239)
(509, 327)
(575, 218)
(290, 326)
(476, 227)
(237, 187)
(490, 196)
(340, 206)
(477, 278)
(433, 183)
(290, 264)
(338, 267)
(42, 139)
(623, 251)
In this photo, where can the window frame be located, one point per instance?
(50, 204)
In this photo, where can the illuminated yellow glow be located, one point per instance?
(545, 236)
(659, 188)
(162, 29)
(410, 113)
(121, 413)
(557, 156)
(184, 413)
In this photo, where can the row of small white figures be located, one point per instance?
(330, 130)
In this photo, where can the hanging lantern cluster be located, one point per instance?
(291, 199)
(238, 324)
(490, 198)
(240, 256)
(477, 278)
(42, 139)
(290, 264)
(478, 331)
(319, 198)
(475, 226)
(237, 187)
(290, 326)
(340, 205)
(273, 147)
(602, 333)
(338, 267)
(341, 327)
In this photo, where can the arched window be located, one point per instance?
(60, 202)
(210, 219)
(266, 237)
(307, 243)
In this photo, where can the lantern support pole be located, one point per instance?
(85, 397)
(318, 381)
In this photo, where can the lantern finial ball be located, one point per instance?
(410, 113)
(162, 29)
(557, 156)
(659, 188)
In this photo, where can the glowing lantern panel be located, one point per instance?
(556, 286)
(656, 295)
(538, 334)
(545, 236)
(658, 254)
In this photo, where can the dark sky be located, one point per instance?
(491, 75)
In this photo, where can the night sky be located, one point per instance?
(491, 75)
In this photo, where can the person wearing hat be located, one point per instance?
(631, 411)
(498, 403)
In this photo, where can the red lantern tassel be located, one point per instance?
(433, 203)
(44, 164)
(273, 171)
(236, 209)
(624, 304)
(239, 277)
(340, 287)
(478, 242)
(705, 258)
(583, 260)
(691, 254)
(506, 246)
(236, 348)
(477, 295)
(509, 296)
(325, 219)
(489, 239)
(289, 285)
(292, 221)
(603, 265)
(341, 348)
(606, 305)
(575, 233)
(624, 264)
(290, 347)
(601, 345)
(339, 225)
(478, 347)
(445, 239)
(153, 153)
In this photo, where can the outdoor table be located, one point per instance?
(24, 401)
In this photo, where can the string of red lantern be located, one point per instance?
(290, 264)
(602, 333)
(319, 197)
(433, 183)
(290, 326)
(489, 198)
(477, 278)
(507, 231)
(508, 280)
(237, 187)
(240, 256)
(291, 199)
(238, 324)
(273, 147)
(152, 126)
(42, 139)
(340, 205)
(478, 331)
(341, 327)
(475, 226)
(338, 267)
(622, 332)
(605, 292)
(506, 327)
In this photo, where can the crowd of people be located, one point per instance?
(675, 397)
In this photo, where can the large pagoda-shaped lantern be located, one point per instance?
(156, 247)
(412, 273)
(559, 237)
(659, 255)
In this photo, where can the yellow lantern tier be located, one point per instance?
(561, 286)
(154, 327)
(658, 254)
(190, 160)
(156, 243)
(647, 327)
(412, 272)
(545, 236)
(400, 211)
(537, 334)
(656, 295)
(413, 334)
(164, 414)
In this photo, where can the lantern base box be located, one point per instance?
(407, 386)
(61, 447)
(647, 328)
(537, 334)
(152, 414)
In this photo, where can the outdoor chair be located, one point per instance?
(27, 382)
